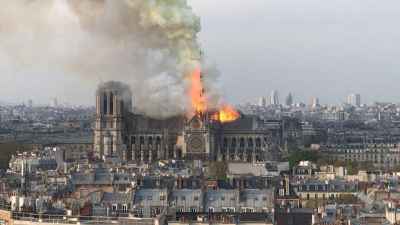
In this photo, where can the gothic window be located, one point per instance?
(112, 144)
(258, 142)
(111, 111)
(234, 143)
(141, 140)
(250, 142)
(242, 142)
(133, 140)
(158, 141)
(225, 142)
(105, 103)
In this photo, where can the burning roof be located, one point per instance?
(223, 113)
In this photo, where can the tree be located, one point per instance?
(217, 170)
(302, 155)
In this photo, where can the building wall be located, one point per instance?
(381, 155)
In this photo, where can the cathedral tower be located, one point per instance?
(113, 104)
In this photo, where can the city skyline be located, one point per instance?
(296, 52)
(263, 100)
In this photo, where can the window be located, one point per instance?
(183, 198)
(105, 103)
(222, 198)
(114, 207)
(162, 197)
(196, 198)
(210, 209)
(125, 208)
(111, 110)
(140, 212)
(149, 198)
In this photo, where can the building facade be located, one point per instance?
(121, 133)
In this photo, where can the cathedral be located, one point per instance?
(132, 137)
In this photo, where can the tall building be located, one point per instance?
(30, 103)
(54, 103)
(262, 101)
(354, 100)
(274, 98)
(315, 102)
(113, 104)
(289, 99)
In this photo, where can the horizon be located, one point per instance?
(312, 51)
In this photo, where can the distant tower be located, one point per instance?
(262, 101)
(354, 100)
(274, 98)
(289, 100)
(113, 102)
(315, 102)
(30, 103)
(54, 103)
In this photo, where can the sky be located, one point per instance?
(326, 49)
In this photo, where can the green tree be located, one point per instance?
(217, 170)
(303, 155)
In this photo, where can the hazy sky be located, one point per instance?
(309, 47)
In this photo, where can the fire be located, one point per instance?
(225, 113)
(198, 100)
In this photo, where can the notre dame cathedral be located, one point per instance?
(133, 137)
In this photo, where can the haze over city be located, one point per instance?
(309, 48)
(199, 112)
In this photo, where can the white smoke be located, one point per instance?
(149, 44)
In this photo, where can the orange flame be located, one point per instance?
(198, 100)
(226, 114)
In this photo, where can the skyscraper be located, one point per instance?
(54, 103)
(30, 103)
(262, 101)
(354, 100)
(315, 102)
(274, 98)
(289, 99)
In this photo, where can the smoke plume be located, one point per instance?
(149, 44)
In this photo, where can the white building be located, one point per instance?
(354, 100)
(274, 98)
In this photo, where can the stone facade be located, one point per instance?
(133, 137)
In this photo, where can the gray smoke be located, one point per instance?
(149, 44)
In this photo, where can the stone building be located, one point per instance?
(133, 137)
(381, 155)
